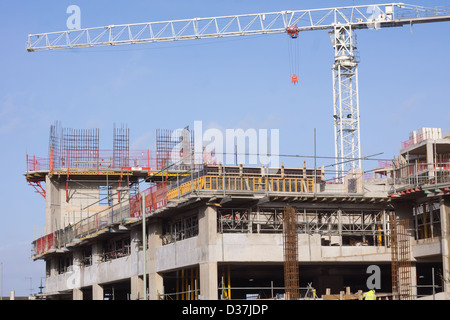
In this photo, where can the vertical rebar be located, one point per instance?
(174, 148)
(74, 148)
(144, 244)
(290, 250)
(121, 147)
(401, 259)
(394, 256)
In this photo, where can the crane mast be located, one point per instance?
(341, 23)
(345, 101)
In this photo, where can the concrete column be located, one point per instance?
(359, 181)
(77, 294)
(137, 283)
(430, 159)
(207, 225)
(430, 207)
(414, 278)
(97, 252)
(53, 267)
(97, 292)
(155, 280)
(75, 280)
(137, 288)
(348, 176)
(76, 258)
(208, 281)
(445, 227)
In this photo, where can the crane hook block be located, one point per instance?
(294, 79)
(292, 31)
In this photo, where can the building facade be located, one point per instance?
(216, 232)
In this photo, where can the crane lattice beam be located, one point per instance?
(359, 17)
(341, 22)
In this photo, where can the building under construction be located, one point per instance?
(209, 231)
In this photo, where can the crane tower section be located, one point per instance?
(345, 100)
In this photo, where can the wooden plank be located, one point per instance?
(330, 297)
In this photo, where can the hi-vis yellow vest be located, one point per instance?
(370, 295)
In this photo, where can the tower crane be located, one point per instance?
(340, 21)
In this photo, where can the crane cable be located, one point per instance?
(293, 53)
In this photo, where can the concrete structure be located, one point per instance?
(218, 232)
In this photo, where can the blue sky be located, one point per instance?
(226, 83)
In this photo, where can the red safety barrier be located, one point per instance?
(45, 243)
(159, 195)
(155, 197)
(51, 243)
(135, 206)
(384, 164)
(39, 246)
(36, 163)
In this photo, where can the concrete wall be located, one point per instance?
(179, 255)
(205, 250)
(79, 277)
(248, 247)
(53, 205)
(82, 201)
(210, 248)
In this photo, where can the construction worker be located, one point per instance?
(369, 295)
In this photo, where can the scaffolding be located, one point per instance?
(349, 227)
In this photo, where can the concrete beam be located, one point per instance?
(329, 204)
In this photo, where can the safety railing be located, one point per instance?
(36, 163)
(93, 160)
(253, 184)
(422, 173)
(81, 229)
(155, 197)
(115, 254)
(422, 137)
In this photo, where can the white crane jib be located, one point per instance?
(340, 21)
